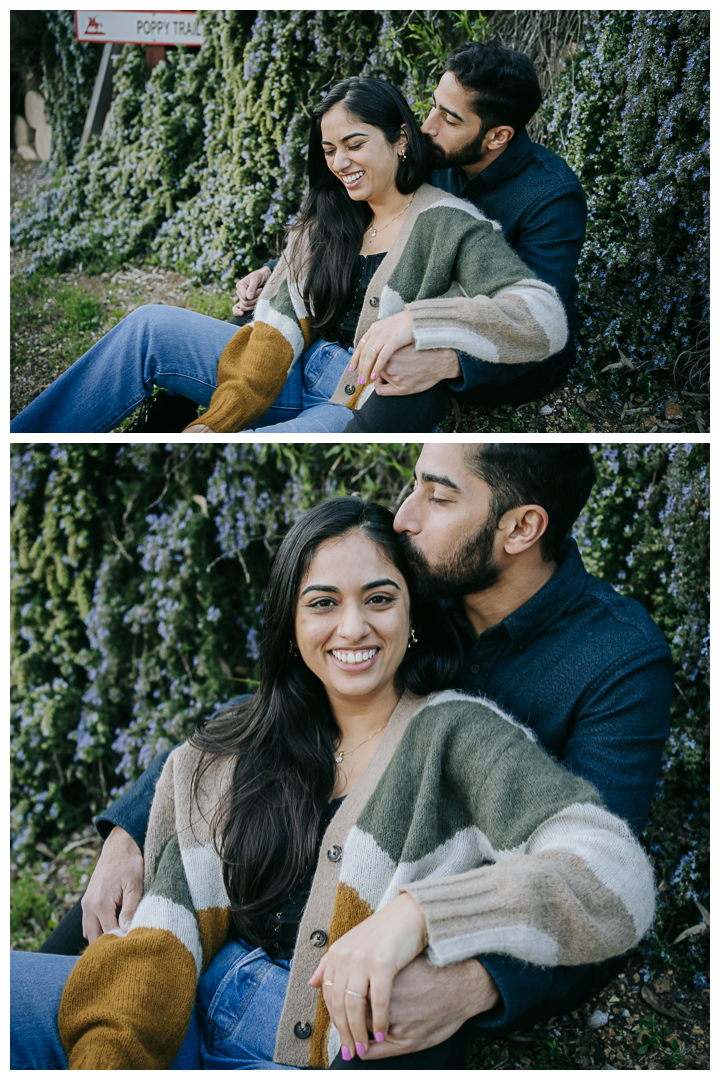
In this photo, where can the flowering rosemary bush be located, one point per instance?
(632, 118)
(137, 579)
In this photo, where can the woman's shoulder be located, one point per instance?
(445, 206)
(453, 708)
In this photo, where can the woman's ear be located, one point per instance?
(403, 142)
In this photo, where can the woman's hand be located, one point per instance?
(383, 339)
(198, 428)
(366, 961)
(249, 289)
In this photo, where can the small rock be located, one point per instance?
(596, 1020)
(672, 409)
(545, 410)
(27, 153)
(22, 131)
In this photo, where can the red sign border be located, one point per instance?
(134, 11)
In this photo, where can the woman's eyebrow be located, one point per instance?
(365, 588)
(355, 135)
(320, 588)
(377, 584)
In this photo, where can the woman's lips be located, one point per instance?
(358, 665)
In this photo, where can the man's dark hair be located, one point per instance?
(506, 87)
(559, 477)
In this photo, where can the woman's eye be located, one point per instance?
(377, 601)
(357, 147)
(322, 602)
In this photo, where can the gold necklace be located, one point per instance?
(343, 753)
(376, 231)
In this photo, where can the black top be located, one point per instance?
(285, 922)
(363, 268)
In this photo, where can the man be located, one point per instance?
(477, 135)
(587, 669)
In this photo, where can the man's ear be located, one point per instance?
(499, 137)
(522, 527)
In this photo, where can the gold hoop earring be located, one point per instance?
(403, 156)
(412, 640)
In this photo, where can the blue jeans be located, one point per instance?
(233, 1026)
(177, 349)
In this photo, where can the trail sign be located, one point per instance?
(138, 27)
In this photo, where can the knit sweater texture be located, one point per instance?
(503, 849)
(450, 267)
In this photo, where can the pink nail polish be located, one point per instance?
(360, 1048)
(351, 368)
(345, 1053)
(373, 376)
(379, 1037)
(361, 380)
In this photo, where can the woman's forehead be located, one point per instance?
(350, 556)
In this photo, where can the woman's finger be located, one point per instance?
(379, 997)
(355, 1006)
(335, 1001)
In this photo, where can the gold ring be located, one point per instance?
(353, 994)
(374, 350)
(327, 982)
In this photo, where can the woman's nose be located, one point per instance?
(353, 624)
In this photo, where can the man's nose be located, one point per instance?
(405, 518)
(429, 127)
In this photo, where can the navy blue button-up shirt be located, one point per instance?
(540, 204)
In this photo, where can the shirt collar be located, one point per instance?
(511, 161)
(547, 605)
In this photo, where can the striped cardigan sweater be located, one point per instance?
(449, 266)
(503, 849)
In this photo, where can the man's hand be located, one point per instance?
(428, 1005)
(249, 289)
(117, 881)
(411, 370)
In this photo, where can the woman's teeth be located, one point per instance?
(352, 179)
(353, 657)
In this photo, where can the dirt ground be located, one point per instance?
(654, 404)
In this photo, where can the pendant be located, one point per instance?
(373, 233)
(340, 756)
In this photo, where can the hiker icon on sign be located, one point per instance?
(94, 27)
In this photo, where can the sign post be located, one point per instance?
(153, 29)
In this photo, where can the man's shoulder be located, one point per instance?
(555, 169)
(621, 618)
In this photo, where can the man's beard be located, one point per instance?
(470, 568)
(469, 154)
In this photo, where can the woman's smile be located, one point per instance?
(355, 659)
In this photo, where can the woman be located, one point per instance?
(379, 259)
(358, 821)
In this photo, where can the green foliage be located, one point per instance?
(632, 119)
(69, 70)
(203, 166)
(647, 530)
(136, 591)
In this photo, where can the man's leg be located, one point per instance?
(155, 345)
(67, 937)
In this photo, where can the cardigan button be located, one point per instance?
(334, 853)
(474, 668)
(319, 938)
(349, 389)
(302, 1031)
(374, 301)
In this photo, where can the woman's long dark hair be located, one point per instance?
(335, 223)
(267, 826)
